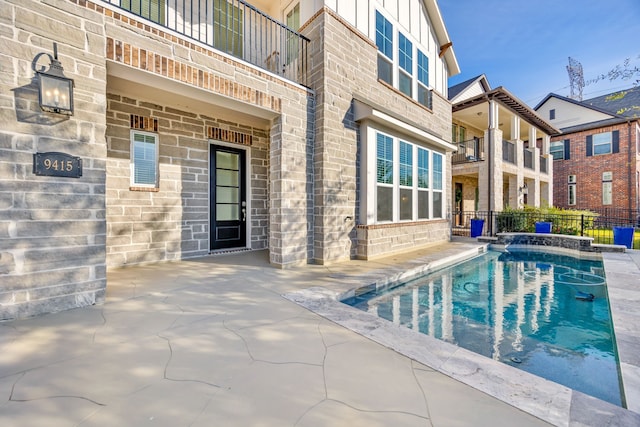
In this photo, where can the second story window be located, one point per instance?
(603, 143)
(384, 42)
(153, 10)
(405, 61)
(559, 150)
(401, 63)
(424, 94)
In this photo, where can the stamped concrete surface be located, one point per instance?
(211, 342)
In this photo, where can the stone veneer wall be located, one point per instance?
(339, 74)
(52, 229)
(149, 50)
(172, 222)
(375, 241)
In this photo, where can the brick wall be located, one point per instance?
(588, 171)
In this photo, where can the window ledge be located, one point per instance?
(400, 224)
(145, 189)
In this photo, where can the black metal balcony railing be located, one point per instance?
(528, 159)
(543, 164)
(231, 26)
(508, 152)
(469, 151)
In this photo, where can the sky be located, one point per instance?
(524, 45)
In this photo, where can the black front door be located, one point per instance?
(228, 198)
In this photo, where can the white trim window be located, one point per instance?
(401, 63)
(144, 159)
(409, 181)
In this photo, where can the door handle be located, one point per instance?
(244, 214)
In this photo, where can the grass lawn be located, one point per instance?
(606, 236)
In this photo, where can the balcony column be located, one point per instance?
(490, 171)
(534, 192)
(515, 138)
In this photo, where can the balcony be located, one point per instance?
(469, 151)
(509, 152)
(233, 27)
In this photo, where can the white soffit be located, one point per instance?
(363, 111)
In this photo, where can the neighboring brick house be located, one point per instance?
(317, 130)
(502, 151)
(597, 154)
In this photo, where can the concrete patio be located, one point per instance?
(213, 342)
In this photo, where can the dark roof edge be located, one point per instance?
(514, 104)
(599, 124)
(579, 103)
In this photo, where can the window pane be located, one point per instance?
(227, 160)
(423, 204)
(423, 168)
(227, 194)
(144, 159)
(406, 204)
(405, 54)
(424, 96)
(556, 149)
(437, 171)
(384, 35)
(406, 164)
(384, 159)
(437, 204)
(423, 68)
(385, 72)
(405, 83)
(384, 211)
(227, 212)
(602, 143)
(227, 178)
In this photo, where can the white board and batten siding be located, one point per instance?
(410, 16)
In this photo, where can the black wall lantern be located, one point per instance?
(56, 90)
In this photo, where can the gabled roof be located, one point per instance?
(446, 45)
(572, 101)
(458, 89)
(505, 97)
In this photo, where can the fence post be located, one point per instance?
(582, 225)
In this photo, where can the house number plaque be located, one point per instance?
(57, 164)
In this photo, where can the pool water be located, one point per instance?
(546, 314)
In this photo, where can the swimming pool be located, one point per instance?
(546, 314)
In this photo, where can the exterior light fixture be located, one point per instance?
(55, 89)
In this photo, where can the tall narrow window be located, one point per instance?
(144, 159)
(437, 185)
(572, 194)
(384, 172)
(406, 181)
(384, 42)
(423, 183)
(152, 10)
(405, 60)
(424, 94)
(227, 27)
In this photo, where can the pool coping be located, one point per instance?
(549, 401)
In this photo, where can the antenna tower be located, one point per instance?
(576, 79)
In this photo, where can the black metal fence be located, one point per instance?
(600, 226)
(231, 26)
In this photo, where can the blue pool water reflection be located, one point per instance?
(543, 313)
